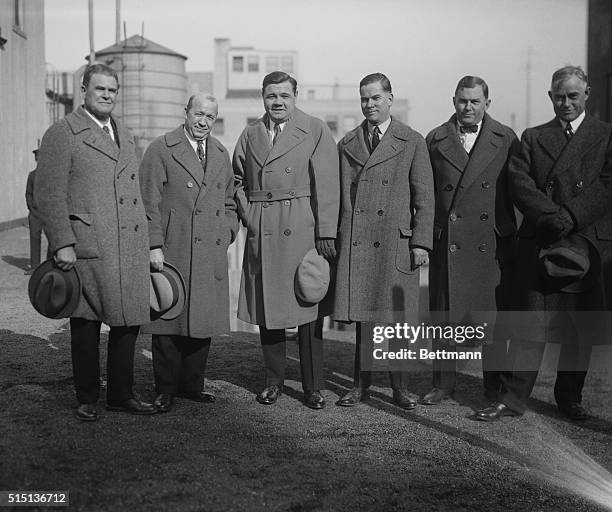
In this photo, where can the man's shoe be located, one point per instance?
(314, 400)
(269, 395)
(163, 402)
(86, 412)
(132, 406)
(573, 411)
(200, 396)
(435, 396)
(353, 397)
(404, 399)
(494, 412)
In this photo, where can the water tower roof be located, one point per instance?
(138, 44)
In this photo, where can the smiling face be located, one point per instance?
(470, 105)
(200, 118)
(569, 98)
(375, 103)
(279, 101)
(100, 95)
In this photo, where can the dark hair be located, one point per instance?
(568, 71)
(469, 82)
(374, 78)
(98, 69)
(278, 77)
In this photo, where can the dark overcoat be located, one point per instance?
(88, 195)
(192, 217)
(548, 172)
(475, 224)
(287, 195)
(387, 208)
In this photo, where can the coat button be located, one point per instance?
(217, 213)
(453, 217)
(452, 247)
(579, 185)
(286, 202)
(292, 193)
(482, 247)
(550, 185)
(135, 200)
(287, 232)
(380, 213)
(189, 184)
(218, 241)
(448, 187)
(133, 177)
(355, 243)
(376, 244)
(121, 200)
(136, 227)
(198, 211)
(484, 216)
(269, 195)
(385, 182)
(485, 184)
(288, 170)
(266, 204)
(357, 211)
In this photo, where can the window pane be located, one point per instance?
(238, 64)
(253, 63)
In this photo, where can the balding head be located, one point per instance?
(200, 115)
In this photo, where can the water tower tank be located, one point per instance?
(153, 87)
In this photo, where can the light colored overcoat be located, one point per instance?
(88, 194)
(287, 195)
(192, 217)
(387, 208)
(475, 226)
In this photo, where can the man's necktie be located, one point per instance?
(568, 132)
(201, 154)
(107, 131)
(468, 129)
(277, 132)
(375, 137)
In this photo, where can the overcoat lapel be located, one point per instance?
(184, 155)
(126, 147)
(259, 141)
(356, 147)
(293, 134)
(96, 138)
(450, 147)
(391, 144)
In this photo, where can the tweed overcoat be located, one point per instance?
(287, 195)
(88, 195)
(387, 208)
(475, 225)
(548, 172)
(192, 217)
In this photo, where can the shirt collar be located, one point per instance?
(575, 123)
(193, 142)
(98, 122)
(382, 127)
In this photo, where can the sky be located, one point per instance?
(423, 46)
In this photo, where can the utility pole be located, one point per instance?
(92, 52)
(117, 21)
(528, 89)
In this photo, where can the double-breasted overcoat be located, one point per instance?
(88, 195)
(387, 208)
(192, 217)
(475, 224)
(287, 195)
(547, 173)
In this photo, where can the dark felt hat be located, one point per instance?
(312, 278)
(53, 292)
(167, 293)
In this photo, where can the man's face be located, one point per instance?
(100, 95)
(569, 97)
(375, 103)
(279, 101)
(470, 105)
(201, 117)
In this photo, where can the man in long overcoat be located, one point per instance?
(385, 233)
(188, 191)
(286, 169)
(474, 229)
(35, 223)
(88, 193)
(561, 181)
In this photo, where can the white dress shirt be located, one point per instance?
(108, 124)
(468, 139)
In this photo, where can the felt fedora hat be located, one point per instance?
(312, 278)
(166, 293)
(53, 292)
(571, 265)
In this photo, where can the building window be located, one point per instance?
(253, 63)
(219, 127)
(238, 64)
(271, 63)
(332, 124)
(287, 63)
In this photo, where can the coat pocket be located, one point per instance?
(403, 258)
(169, 228)
(84, 229)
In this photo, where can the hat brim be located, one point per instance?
(172, 272)
(72, 279)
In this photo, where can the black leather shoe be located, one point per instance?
(435, 396)
(353, 397)
(132, 406)
(494, 412)
(200, 396)
(269, 395)
(86, 412)
(404, 399)
(163, 402)
(314, 400)
(573, 411)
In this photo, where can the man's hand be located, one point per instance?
(419, 258)
(65, 258)
(326, 247)
(156, 258)
(551, 227)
